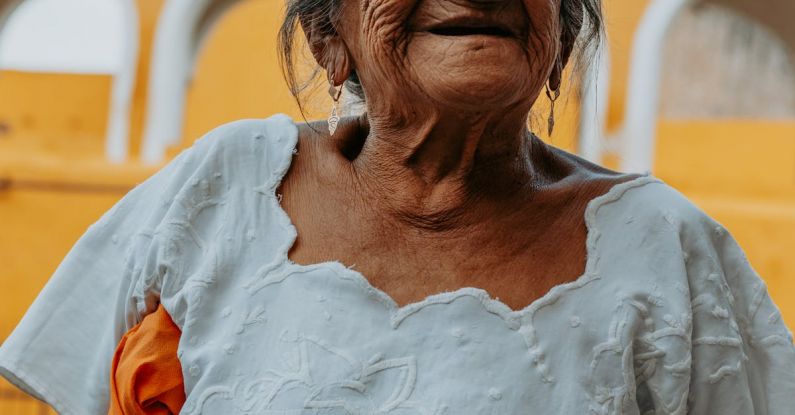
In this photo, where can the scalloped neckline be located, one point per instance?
(490, 303)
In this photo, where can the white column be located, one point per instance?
(118, 132)
(180, 29)
(643, 94)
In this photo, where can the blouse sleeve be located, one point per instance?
(61, 351)
(743, 359)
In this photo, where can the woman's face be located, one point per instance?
(462, 55)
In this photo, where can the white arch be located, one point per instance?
(116, 138)
(638, 136)
(118, 132)
(182, 26)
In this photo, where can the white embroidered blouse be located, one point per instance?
(668, 318)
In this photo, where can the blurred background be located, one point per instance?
(96, 95)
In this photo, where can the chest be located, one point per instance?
(515, 262)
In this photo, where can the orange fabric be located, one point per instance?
(146, 376)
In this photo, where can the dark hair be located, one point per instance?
(581, 23)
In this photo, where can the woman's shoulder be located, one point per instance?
(654, 227)
(649, 201)
(253, 153)
(621, 198)
(648, 223)
(269, 140)
(220, 206)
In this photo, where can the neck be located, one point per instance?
(433, 170)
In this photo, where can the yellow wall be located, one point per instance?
(53, 113)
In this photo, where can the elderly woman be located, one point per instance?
(429, 257)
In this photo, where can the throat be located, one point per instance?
(438, 181)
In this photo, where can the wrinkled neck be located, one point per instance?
(438, 166)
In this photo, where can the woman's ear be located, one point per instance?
(338, 60)
(328, 48)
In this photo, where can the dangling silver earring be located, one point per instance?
(553, 96)
(333, 118)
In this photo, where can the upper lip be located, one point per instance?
(471, 25)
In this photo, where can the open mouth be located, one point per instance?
(471, 31)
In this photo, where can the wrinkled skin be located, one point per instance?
(440, 185)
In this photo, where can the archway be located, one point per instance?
(181, 29)
(722, 63)
(638, 135)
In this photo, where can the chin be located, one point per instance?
(472, 75)
(487, 88)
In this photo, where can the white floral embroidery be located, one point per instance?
(324, 377)
(654, 351)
